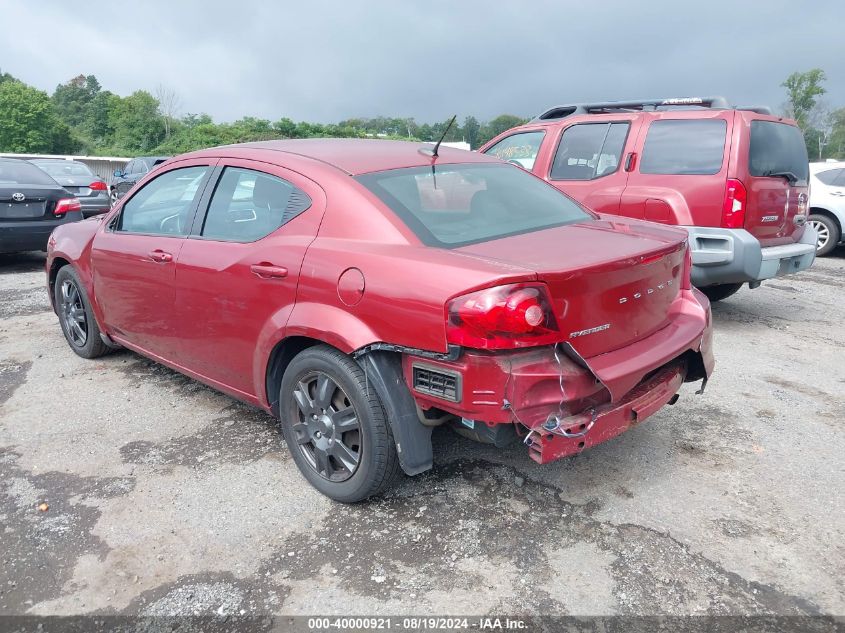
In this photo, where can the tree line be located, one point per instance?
(80, 117)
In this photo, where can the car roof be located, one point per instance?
(55, 160)
(826, 165)
(353, 156)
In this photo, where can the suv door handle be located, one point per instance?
(266, 270)
(160, 256)
(630, 161)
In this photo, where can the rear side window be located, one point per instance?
(520, 149)
(777, 149)
(589, 151)
(163, 206)
(832, 177)
(457, 204)
(248, 205)
(13, 172)
(684, 147)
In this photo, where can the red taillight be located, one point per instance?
(733, 208)
(97, 185)
(504, 317)
(65, 205)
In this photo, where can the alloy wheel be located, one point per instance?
(823, 232)
(328, 432)
(73, 313)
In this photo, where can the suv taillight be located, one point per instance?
(97, 185)
(65, 205)
(503, 317)
(733, 208)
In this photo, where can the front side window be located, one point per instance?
(520, 149)
(684, 147)
(164, 205)
(588, 151)
(248, 205)
(458, 204)
(777, 149)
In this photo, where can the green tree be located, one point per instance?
(71, 99)
(28, 123)
(803, 89)
(498, 125)
(471, 131)
(137, 126)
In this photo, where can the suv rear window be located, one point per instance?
(458, 204)
(777, 149)
(684, 147)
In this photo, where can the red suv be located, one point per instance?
(735, 178)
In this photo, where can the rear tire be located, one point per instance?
(720, 291)
(829, 233)
(335, 426)
(75, 315)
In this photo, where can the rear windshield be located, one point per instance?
(13, 172)
(455, 205)
(777, 149)
(684, 147)
(64, 168)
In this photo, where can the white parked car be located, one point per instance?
(827, 203)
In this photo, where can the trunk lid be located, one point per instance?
(22, 202)
(611, 281)
(776, 181)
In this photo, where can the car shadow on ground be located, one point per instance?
(21, 262)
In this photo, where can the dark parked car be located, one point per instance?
(32, 204)
(78, 179)
(124, 179)
(365, 291)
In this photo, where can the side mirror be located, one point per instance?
(118, 173)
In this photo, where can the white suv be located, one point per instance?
(827, 203)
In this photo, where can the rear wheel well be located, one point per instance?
(281, 356)
(826, 213)
(57, 264)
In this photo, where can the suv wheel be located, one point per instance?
(828, 233)
(335, 427)
(74, 309)
(720, 291)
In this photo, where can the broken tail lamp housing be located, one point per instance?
(503, 317)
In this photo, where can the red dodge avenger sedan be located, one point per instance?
(365, 291)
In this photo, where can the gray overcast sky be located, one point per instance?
(326, 61)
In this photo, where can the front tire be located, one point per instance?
(829, 234)
(75, 315)
(335, 426)
(720, 291)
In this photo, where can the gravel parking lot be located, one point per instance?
(165, 497)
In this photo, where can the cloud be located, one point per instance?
(326, 61)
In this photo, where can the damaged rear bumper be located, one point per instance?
(561, 437)
(550, 392)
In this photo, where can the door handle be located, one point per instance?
(160, 256)
(839, 194)
(630, 161)
(266, 270)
